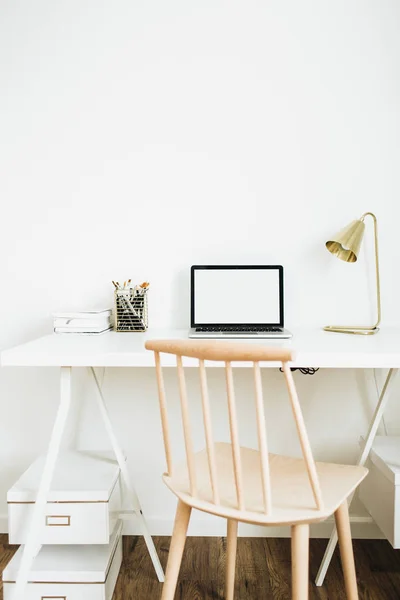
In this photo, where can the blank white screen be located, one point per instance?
(236, 296)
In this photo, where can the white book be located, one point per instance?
(84, 314)
(84, 330)
(98, 322)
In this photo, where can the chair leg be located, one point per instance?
(346, 550)
(178, 540)
(300, 559)
(231, 547)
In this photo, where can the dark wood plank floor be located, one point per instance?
(263, 570)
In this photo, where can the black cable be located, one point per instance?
(304, 370)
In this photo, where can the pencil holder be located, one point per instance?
(130, 310)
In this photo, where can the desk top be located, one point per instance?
(313, 348)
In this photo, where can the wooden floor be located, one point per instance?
(263, 570)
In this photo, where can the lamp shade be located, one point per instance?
(346, 244)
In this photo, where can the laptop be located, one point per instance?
(236, 301)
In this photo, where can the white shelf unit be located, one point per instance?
(380, 491)
(80, 529)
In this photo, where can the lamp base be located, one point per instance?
(352, 330)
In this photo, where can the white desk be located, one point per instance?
(313, 347)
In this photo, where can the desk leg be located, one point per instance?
(373, 428)
(127, 480)
(32, 547)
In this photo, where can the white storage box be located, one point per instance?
(83, 504)
(70, 572)
(380, 490)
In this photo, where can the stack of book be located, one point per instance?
(87, 322)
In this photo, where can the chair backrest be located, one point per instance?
(229, 352)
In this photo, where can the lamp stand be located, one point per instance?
(353, 330)
(365, 330)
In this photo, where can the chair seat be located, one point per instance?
(292, 498)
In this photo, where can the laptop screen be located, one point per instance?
(237, 295)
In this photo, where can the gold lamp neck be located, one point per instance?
(369, 214)
(378, 283)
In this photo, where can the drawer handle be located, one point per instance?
(54, 598)
(57, 521)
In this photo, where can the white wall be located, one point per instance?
(138, 138)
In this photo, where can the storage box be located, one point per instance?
(380, 490)
(83, 504)
(70, 572)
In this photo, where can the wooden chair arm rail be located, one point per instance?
(217, 350)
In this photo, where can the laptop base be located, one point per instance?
(281, 334)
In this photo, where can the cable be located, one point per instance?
(303, 370)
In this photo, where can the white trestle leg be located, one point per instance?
(127, 480)
(32, 546)
(373, 428)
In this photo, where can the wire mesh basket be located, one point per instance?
(130, 310)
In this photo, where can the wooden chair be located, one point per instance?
(251, 486)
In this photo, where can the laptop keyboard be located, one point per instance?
(257, 329)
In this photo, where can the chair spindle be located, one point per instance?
(186, 426)
(164, 413)
(302, 433)
(212, 466)
(237, 462)
(262, 440)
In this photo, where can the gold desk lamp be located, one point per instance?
(346, 245)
